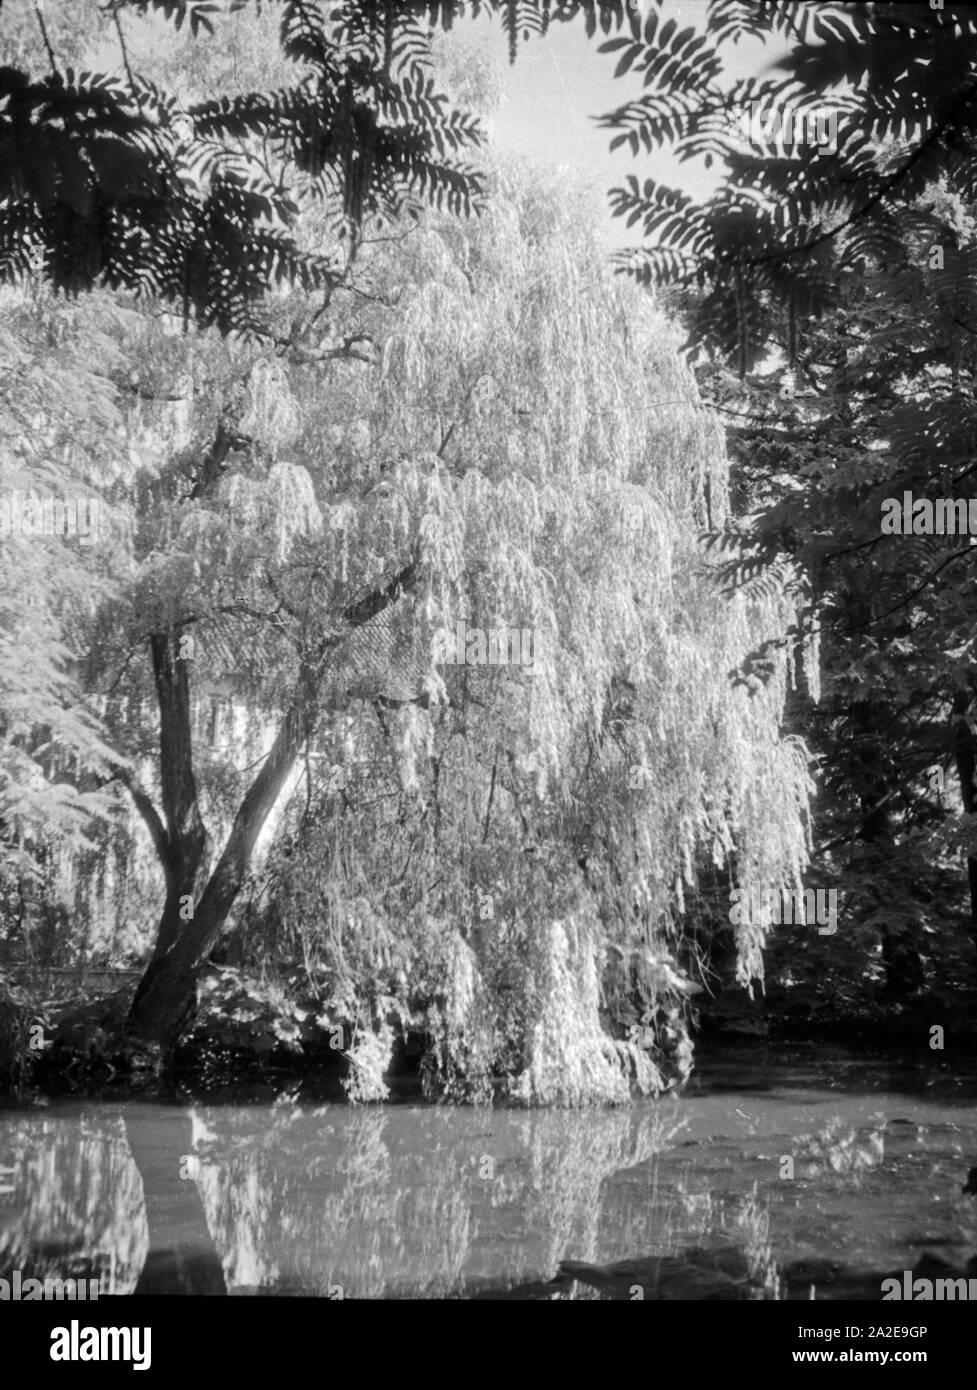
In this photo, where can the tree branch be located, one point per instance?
(360, 612)
(213, 466)
(125, 54)
(38, 15)
(144, 805)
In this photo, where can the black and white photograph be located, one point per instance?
(488, 680)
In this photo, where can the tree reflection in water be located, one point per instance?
(76, 1209)
(97, 1193)
(436, 1202)
(439, 1204)
(182, 1257)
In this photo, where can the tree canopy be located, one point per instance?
(109, 178)
(470, 422)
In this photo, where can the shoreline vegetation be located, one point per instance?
(94, 1053)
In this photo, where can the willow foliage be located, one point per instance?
(501, 861)
(524, 843)
(504, 861)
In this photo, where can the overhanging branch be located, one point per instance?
(151, 817)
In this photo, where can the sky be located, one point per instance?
(560, 82)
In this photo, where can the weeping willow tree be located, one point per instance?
(472, 432)
(499, 860)
(474, 444)
(320, 549)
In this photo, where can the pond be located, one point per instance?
(817, 1171)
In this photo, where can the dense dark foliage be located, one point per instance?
(829, 292)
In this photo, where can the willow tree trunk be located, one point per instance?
(189, 928)
(198, 902)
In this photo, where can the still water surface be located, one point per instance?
(250, 1192)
